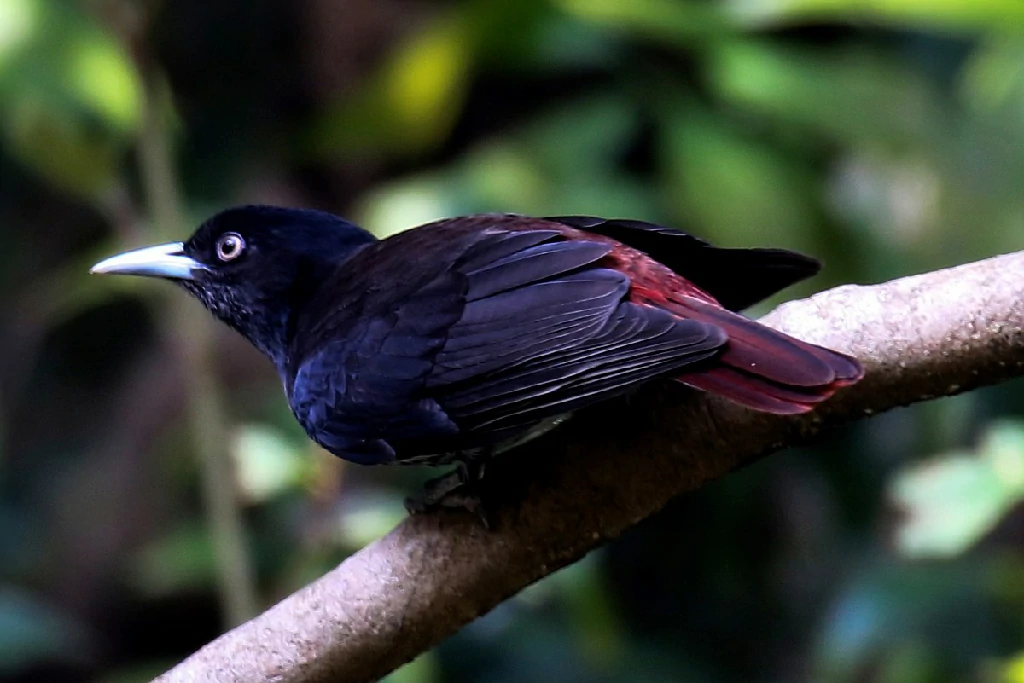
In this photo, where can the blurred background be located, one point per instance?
(154, 489)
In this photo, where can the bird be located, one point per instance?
(460, 339)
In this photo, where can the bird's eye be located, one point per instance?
(230, 246)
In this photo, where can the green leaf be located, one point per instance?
(1006, 16)
(19, 20)
(736, 188)
(589, 133)
(423, 669)
(367, 517)
(994, 75)
(60, 144)
(406, 203)
(952, 501)
(563, 162)
(679, 22)
(101, 77)
(582, 587)
(70, 101)
(267, 463)
(412, 103)
(1013, 670)
(853, 97)
(181, 561)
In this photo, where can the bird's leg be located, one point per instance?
(435, 489)
(471, 471)
(456, 489)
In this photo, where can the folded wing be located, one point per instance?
(547, 331)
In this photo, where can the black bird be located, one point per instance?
(457, 339)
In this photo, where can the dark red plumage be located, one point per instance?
(760, 368)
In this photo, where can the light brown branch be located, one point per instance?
(919, 337)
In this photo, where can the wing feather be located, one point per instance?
(531, 265)
(468, 331)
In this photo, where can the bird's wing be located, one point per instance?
(477, 331)
(546, 330)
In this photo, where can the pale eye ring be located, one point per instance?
(230, 246)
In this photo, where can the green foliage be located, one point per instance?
(423, 669)
(664, 20)
(749, 192)
(995, 15)
(69, 99)
(563, 162)
(412, 104)
(266, 463)
(952, 501)
(180, 562)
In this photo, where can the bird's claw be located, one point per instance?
(458, 489)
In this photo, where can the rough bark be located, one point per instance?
(919, 337)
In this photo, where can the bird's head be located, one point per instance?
(252, 266)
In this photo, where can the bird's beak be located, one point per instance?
(163, 260)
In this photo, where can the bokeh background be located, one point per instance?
(153, 487)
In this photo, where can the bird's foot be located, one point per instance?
(458, 489)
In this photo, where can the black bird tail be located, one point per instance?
(737, 278)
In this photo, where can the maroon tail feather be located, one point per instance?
(764, 369)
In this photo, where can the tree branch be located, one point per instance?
(919, 337)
